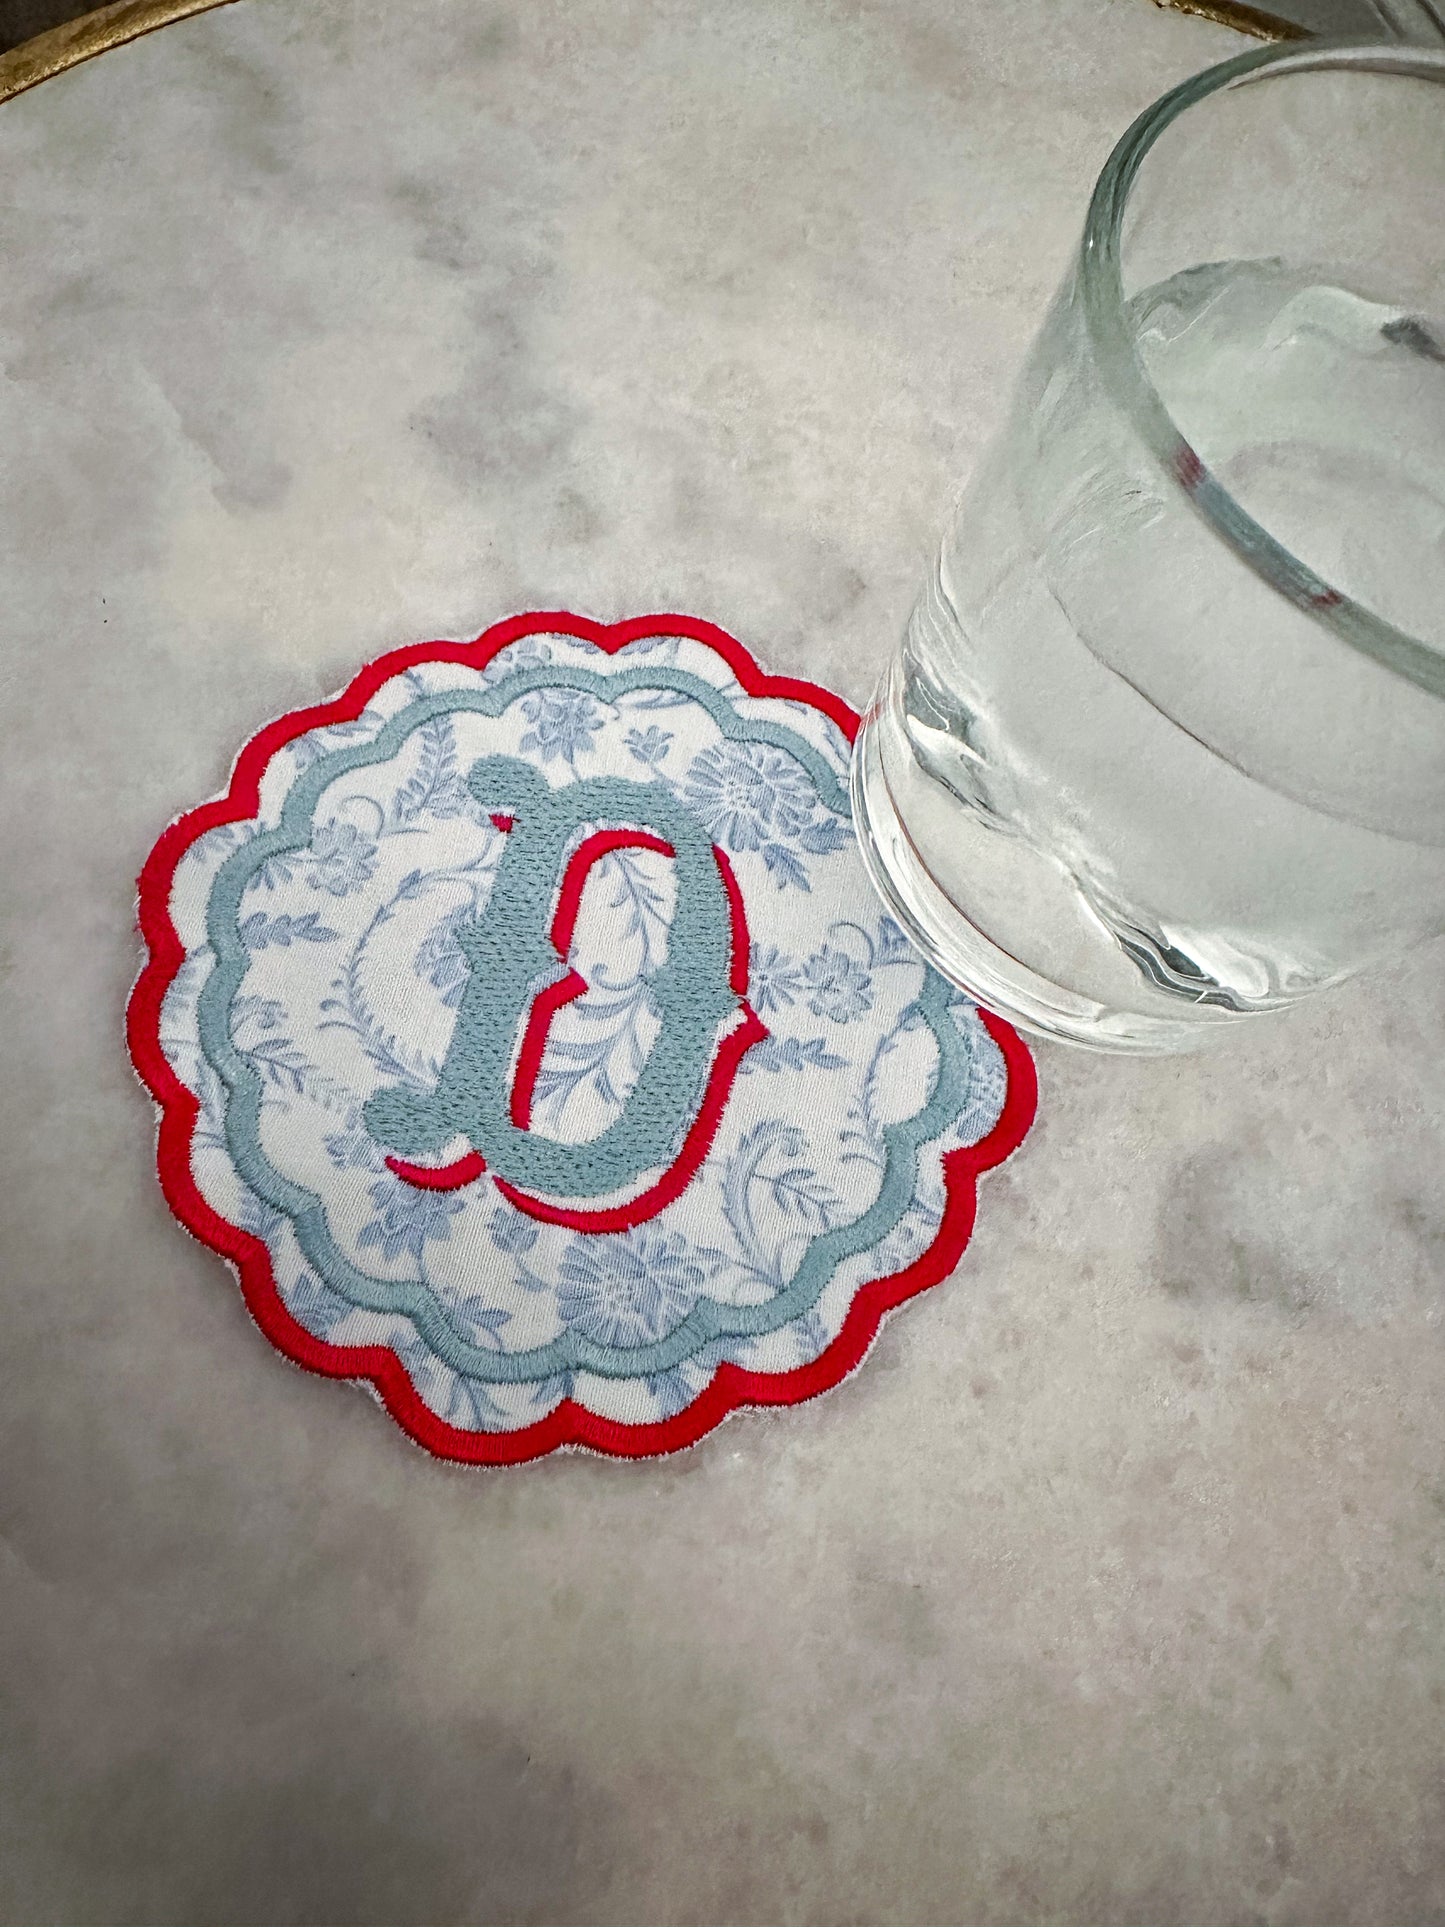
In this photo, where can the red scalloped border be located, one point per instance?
(568, 1424)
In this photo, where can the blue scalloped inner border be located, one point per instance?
(709, 1320)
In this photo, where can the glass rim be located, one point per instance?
(1121, 368)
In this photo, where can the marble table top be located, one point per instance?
(1109, 1590)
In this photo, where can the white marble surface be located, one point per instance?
(1109, 1591)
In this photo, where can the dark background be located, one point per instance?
(19, 19)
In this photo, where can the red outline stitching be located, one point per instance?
(669, 1187)
(684, 1168)
(440, 1177)
(546, 1003)
(568, 1424)
(545, 1006)
(742, 936)
(591, 850)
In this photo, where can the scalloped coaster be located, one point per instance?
(526, 1034)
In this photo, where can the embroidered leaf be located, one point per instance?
(825, 836)
(760, 1256)
(439, 960)
(672, 1391)
(435, 785)
(258, 930)
(280, 1063)
(489, 1321)
(610, 1058)
(263, 1220)
(354, 1150)
(786, 866)
(264, 1012)
(317, 1307)
(893, 946)
(793, 1054)
(308, 749)
(801, 1193)
(657, 699)
(275, 871)
(472, 1403)
(646, 914)
(810, 1333)
(511, 1230)
(662, 648)
(347, 1009)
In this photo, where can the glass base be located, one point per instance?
(956, 947)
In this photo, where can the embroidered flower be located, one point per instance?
(407, 1218)
(648, 745)
(564, 722)
(746, 793)
(627, 1290)
(344, 856)
(841, 988)
(774, 980)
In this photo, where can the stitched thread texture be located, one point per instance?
(526, 1034)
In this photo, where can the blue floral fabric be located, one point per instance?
(822, 1175)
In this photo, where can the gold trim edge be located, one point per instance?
(65, 46)
(1243, 18)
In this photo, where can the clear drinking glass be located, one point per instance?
(1164, 745)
